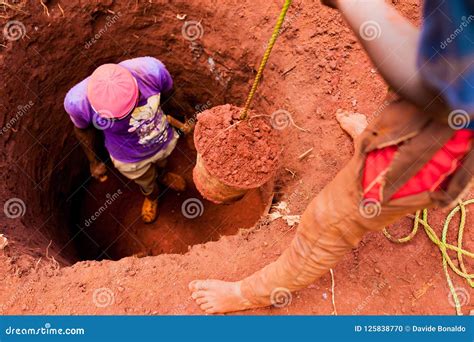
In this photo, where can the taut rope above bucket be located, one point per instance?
(266, 55)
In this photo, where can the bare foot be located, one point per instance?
(353, 123)
(217, 296)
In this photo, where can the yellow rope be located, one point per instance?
(444, 246)
(271, 43)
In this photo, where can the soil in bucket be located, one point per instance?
(233, 155)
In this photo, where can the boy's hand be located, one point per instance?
(98, 170)
(330, 3)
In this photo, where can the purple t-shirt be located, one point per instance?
(124, 141)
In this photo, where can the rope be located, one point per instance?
(263, 63)
(333, 293)
(444, 246)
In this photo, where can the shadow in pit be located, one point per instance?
(109, 226)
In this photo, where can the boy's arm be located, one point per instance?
(391, 42)
(87, 140)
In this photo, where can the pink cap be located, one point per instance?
(112, 91)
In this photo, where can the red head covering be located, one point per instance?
(112, 91)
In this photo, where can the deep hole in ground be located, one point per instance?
(42, 165)
(109, 223)
(49, 168)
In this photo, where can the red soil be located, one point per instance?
(316, 68)
(184, 219)
(239, 153)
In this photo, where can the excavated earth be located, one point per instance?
(56, 263)
(241, 153)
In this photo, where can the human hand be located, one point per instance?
(186, 127)
(98, 170)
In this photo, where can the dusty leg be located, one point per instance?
(328, 230)
(217, 296)
(333, 223)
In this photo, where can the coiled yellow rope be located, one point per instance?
(263, 63)
(444, 246)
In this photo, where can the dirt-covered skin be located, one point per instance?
(316, 68)
(217, 296)
(242, 153)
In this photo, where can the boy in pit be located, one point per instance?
(123, 101)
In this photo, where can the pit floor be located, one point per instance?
(185, 219)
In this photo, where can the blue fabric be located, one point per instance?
(446, 56)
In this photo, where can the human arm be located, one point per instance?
(81, 114)
(87, 138)
(391, 42)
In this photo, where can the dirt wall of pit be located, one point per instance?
(44, 165)
(316, 68)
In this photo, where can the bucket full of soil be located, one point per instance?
(234, 155)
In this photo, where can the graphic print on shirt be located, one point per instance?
(149, 122)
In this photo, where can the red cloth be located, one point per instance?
(429, 178)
